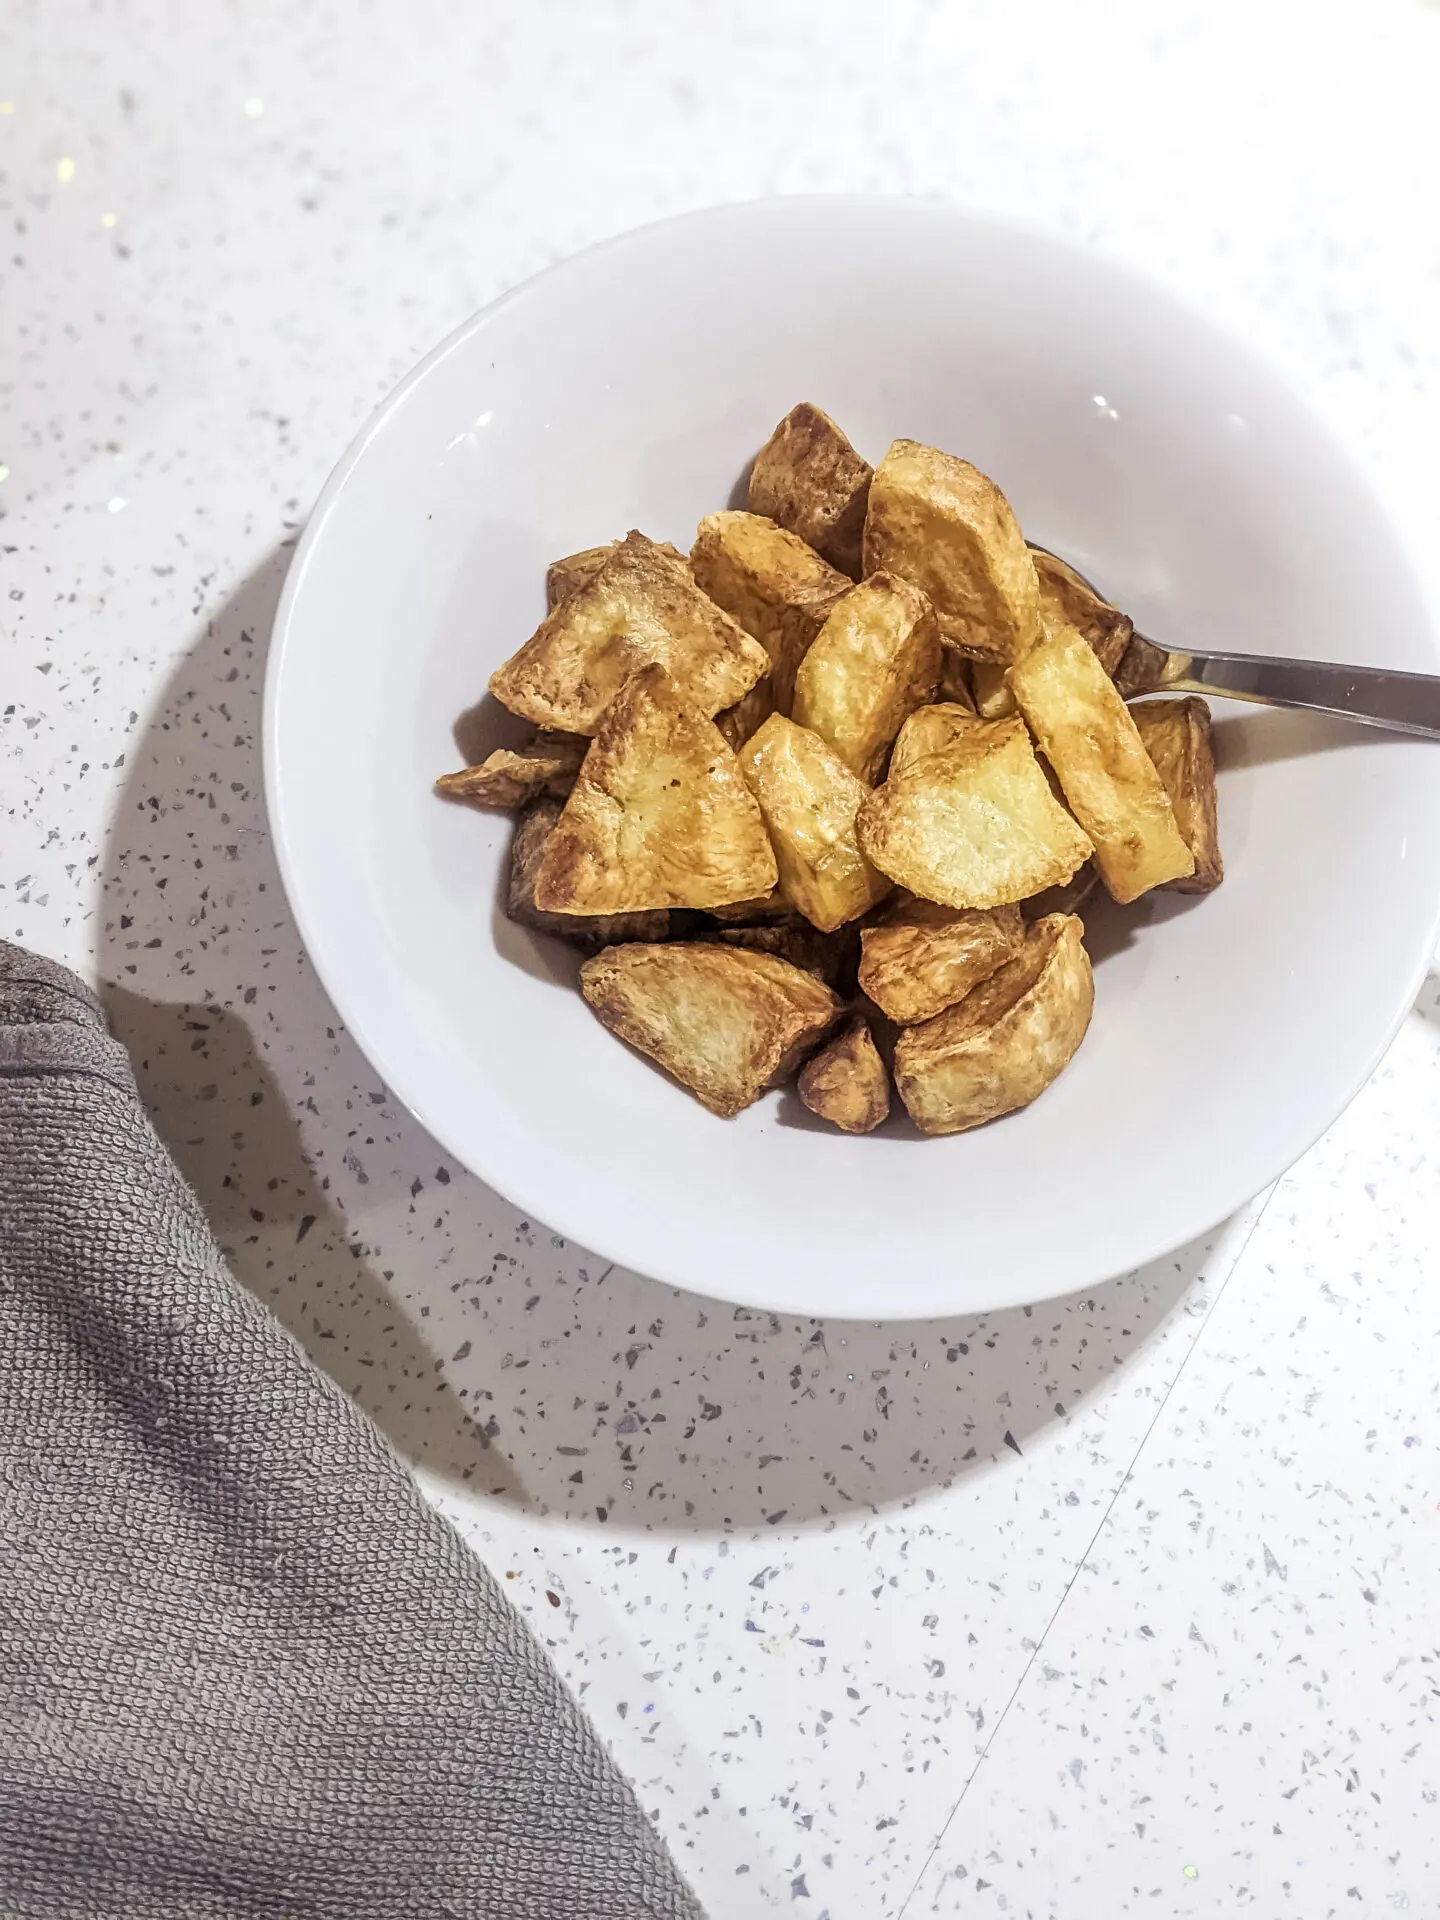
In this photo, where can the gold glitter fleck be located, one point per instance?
(4, 473)
(254, 106)
(7, 106)
(117, 505)
(107, 219)
(65, 171)
(1191, 1873)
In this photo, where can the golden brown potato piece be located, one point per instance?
(846, 1082)
(1142, 670)
(660, 815)
(831, 957)
(532, 830)
(809, 798)
(923, 958)
(874, 661)
(779, 589)
(726, 1023)
(957, 685)
(640, 606)
(808, 479)
(940, 523)
(972, 823)
(1067, 899)
(993, 698)
(1176, 734)
(1086, 733)
(1067, 600)
(509, 778)
(576, 570)
(932, 729)
(1004, 1043)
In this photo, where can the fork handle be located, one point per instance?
(1375, 696)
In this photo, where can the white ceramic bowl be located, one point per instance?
(629, 387)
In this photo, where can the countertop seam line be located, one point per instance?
(1101, 1525)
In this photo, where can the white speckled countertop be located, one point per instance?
(1121, 1605)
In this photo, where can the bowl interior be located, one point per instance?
(630, 388)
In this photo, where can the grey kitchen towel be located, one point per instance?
(244, 1669)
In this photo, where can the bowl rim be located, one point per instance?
(553, 1210)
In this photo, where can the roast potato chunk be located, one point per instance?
(659, 816)
(972, 823)
(874, 661)
(808, 479)
(846, 1082)
(1066, 599)
(532, 830)
(576, 570)
(640, 607)
(922, 958)
(940, 523)
(509, 778)
(1087, 734)
(809, 798)
(993, 698)
(778, 589)
(725, 1022)
(1004, 1043)
(1176, 734)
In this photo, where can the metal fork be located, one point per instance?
(1374, 696)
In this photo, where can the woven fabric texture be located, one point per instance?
(244, 1669)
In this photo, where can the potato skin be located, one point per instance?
(1087, 734)
(1142, 669)
(724, 1022)
(846, 1082)
(922, 958)
(566, 576)
(659, 816)
(1001, 1046)
(809, 799)
(876, 659)
(966, 817)
(532, 830)
(509, 779)
(640, 608)
(775, 586)
(1177, 738)
(575, 570)
(945, 526)
(1066, 599)
(808, 479)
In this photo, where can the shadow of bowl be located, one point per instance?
(490, 1351)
